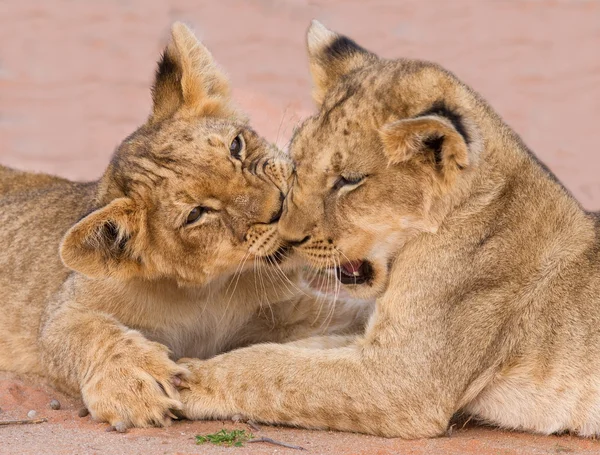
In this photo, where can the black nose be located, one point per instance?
(275, 218)
(298, 242)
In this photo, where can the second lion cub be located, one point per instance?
(487, 271)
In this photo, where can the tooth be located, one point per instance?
(355, 273)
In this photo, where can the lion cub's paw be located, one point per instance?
(198, 392)
(135, 387)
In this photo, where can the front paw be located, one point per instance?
(204, 394)
(135, 387)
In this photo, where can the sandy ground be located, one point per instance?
(74, 79)
(67, 433)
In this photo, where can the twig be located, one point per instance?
(22, 422)
(277, 443)
(253, 425)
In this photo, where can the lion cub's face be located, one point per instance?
(375, 165)
(192, 195)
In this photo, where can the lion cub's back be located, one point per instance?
(34, 215)
(14, 181)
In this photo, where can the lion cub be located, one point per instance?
(176, 243)
(487, 271)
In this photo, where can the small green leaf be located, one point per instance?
(235, 438)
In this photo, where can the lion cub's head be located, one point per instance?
(191, 195)
(380, 162)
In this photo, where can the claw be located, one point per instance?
(179, 413)
(183, 384)
(120, 427)
(171, 415)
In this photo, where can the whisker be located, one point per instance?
(270, 277)
(264, 288)
(330, 315)
(321, 294)
(239, 274)
(278, 275)
(281, 123)
(238, 268)
(338, 251)
(269, 304)
(285, 278)
(287, 144)
(256, 281)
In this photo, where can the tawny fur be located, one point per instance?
(486, 268)
(135, 280)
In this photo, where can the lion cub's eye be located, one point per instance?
(195, 214)
(236, 147)
(347, 181)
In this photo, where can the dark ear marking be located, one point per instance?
(188, 80)
(167, 69)
(332, 56)
(166, 91)
(115, 241)
(435, 143)
(343, 47)
(439, 108)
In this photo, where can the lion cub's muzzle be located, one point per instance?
(276, 171)
(264, 242)
(324, 255)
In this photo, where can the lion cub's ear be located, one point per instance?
(435, 140)
(188, 80)
(101, 244)
(330, 57)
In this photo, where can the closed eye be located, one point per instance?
(347, 181)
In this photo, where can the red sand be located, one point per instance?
(74, 81)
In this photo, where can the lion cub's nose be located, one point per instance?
(291, 230)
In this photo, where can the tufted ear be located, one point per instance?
(331, 56)
(101, 244)
(188, 80)
(442, 142)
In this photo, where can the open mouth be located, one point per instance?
(355, 272)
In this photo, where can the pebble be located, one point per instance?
(31, 414)
(55, 404)
(83, 412)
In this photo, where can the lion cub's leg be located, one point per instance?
(347, 388)
(124, 379)
(398, 380)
